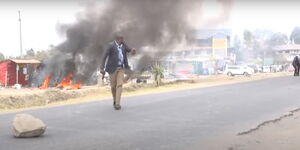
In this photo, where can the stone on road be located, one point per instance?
(25, 125)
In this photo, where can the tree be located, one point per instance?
(250, 43)
(248, 38)
(259, 44)
(158, 72)
(262, 46)
(237, 48)
(295, 35)
(277, 39)
(41, 55)
(30, 53)
(2, 57)
(237, 43)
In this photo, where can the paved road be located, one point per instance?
(167, 121)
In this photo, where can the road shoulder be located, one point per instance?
(35, 98)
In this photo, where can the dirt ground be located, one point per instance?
(16, 99)
(280, 135)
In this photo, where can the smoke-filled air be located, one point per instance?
(153, 27)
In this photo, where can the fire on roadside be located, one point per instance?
(45, 84)
(75, 86)
(66, 83)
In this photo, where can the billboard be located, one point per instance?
(219, 44)
(219, 47)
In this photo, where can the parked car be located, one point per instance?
(232, 70)
(256, 68)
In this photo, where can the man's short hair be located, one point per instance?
(118, 36)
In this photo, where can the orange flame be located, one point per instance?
(66, 81)
(45, 84)
(75, 86)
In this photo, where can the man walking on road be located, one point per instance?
(296, 65)
(115, 62)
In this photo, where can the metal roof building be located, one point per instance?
(17, 71)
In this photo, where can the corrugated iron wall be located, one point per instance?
(3, 71)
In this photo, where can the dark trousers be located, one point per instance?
(296, 72)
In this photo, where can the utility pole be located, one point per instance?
(21, 48)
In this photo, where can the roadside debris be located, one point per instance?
(17, 86)
(25, 125)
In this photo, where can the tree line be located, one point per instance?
(30, 54)
(259, 43)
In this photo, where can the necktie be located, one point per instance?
(120, 55)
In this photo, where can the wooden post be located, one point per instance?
(17, 74)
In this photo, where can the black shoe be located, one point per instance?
(117, 107)
(114, 103)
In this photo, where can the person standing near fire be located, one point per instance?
(115, 62)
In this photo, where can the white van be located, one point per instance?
(232, 70)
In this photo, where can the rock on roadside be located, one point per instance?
(25, 125)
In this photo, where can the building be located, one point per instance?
(17, 71)
(217, 41)
(288, 52)
(209, 53)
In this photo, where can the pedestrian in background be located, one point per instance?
(296, 66)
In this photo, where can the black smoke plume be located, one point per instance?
(153, 27)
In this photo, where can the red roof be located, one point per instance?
(24, 61)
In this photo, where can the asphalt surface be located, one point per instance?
(166, 121)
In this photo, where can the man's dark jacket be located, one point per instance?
(111, 53)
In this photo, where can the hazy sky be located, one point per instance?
(40, 19)
(39, 22)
